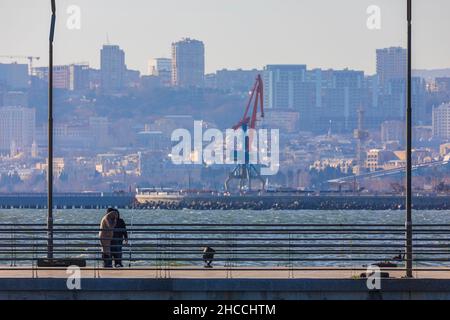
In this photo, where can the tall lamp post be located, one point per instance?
(408, 222)
(50, 137)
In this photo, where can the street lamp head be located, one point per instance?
(53, 21)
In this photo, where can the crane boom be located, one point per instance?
(258, 94)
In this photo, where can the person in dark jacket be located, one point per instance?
(120, 235)
(208, 256)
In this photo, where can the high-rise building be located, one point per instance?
(79, 77)
(61, 77)
(14, 76)
(95, 78)
(392, 100)
(17, 127)
(67, 77)
(235, 80)
(441, 121)
(323, 98)
(188, 63)
(391, 64)
(318, 81)
(112, 68)
(387, 90)
(342, 97)
(282, 85)
(162, 68)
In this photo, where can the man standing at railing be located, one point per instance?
(120, 234)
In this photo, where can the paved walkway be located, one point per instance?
(216, 273)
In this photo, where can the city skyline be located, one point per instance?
(113, 125)
(340, 39)
(146, 71)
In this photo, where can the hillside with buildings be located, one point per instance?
(113, 125)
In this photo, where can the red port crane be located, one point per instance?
(247, 172)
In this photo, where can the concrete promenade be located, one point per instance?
(213, 284)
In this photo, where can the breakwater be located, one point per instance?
(208, 202)
(303, 202)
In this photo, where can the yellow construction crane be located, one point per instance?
(30, 60)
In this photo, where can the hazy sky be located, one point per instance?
(236, 33)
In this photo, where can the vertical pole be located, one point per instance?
(50, 138)
(408, 224)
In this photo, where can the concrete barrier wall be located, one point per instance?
(223, 289)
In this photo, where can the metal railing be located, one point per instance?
(237, 246)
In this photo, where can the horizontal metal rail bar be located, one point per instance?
(221, 225)
(218, 246)
(220, 238)
(235, 224)
(327, 245)
(260, 253)
(280, 253)
(143, 229)
(282, 269)
(169, 259)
